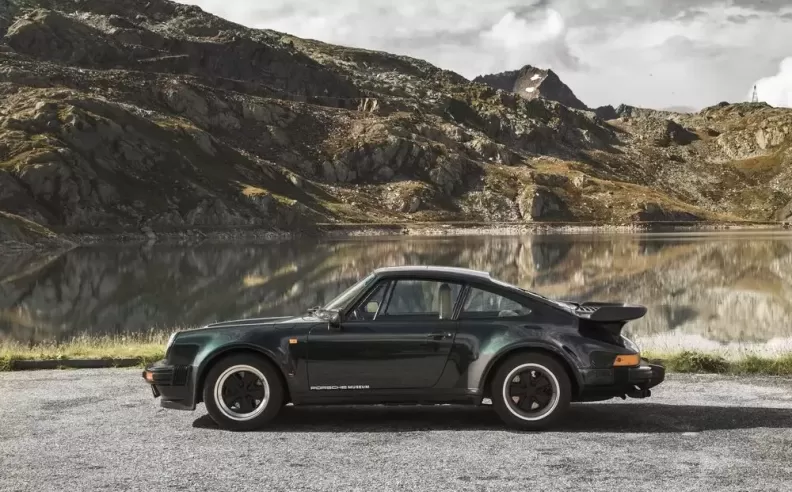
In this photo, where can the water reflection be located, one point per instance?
(715, 287)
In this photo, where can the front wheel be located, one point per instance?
(531, 391)
(242, 392)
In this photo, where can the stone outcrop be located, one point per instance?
(653, 212)
(539, 203)
(785, 214)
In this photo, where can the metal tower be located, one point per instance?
(755, 96)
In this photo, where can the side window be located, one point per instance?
(369, 306)
(422, 299)
(484, 304)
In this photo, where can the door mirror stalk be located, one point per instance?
(333, 321)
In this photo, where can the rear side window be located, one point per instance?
(481, 304)
(422, 299)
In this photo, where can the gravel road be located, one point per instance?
(101, 430)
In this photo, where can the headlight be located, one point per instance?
(630, 344)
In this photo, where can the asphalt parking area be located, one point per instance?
(102, 430)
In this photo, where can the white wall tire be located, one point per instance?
(242, 392)
(531, 391)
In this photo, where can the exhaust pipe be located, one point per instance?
(639, 393)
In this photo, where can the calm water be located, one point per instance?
(703, 290)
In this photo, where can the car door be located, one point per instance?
(399, 336)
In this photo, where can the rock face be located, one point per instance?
(538, 203)
(785, 214)
(531, 82)
(121, 115)
(652, 212)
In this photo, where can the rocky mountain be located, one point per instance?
(531, 83)
(122, 115)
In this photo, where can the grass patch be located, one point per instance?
(150, 347)
(703, 363)
(146, 347)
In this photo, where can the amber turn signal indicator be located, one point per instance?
(149, 376)
(627, 360)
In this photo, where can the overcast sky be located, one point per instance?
(651, 53)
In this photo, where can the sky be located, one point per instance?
(649, 53)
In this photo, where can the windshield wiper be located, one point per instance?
(314, 309)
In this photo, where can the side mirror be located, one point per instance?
(334, 321)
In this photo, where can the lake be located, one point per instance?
(703, 290)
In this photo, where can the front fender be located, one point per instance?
(205, 360)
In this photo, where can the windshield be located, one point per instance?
(348, 294)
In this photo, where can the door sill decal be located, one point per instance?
(347, 387)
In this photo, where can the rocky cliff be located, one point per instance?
(122, 115)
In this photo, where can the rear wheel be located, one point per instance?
(531, 391)
(242, 392)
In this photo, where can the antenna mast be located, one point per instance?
(755, 96)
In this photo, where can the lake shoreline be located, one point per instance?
(138, 350)
(226, 235)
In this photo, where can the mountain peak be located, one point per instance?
(531, 82)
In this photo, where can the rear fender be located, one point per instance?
(562, 355)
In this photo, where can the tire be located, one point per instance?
(544, 372)
(258, 381)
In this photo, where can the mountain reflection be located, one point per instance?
(723, 287)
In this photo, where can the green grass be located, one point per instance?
(151, 346)
(146, 347)
(700, 362)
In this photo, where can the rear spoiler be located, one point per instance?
(605, 312)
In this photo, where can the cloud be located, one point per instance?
(641, 52)
(544, 30)
(777, 89)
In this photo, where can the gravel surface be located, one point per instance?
(102, 430)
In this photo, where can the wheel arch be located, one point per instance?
(210, 360)
(575, 378)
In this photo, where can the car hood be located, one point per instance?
(240, 323)
(274, 322)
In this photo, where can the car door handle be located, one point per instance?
(440, 335)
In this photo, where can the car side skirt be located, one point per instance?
(402, 397)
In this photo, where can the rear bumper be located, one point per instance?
(172, 383)
(635, 382)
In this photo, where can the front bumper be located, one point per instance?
(173, 383)
(635, 382)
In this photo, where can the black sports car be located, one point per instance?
(411, 335)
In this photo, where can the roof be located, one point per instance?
(435, 269)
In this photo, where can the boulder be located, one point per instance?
(407, 196)
(672, 132)
(537, 203)
(184, 100)
(785, 214)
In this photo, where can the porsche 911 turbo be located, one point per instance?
(411, 335)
